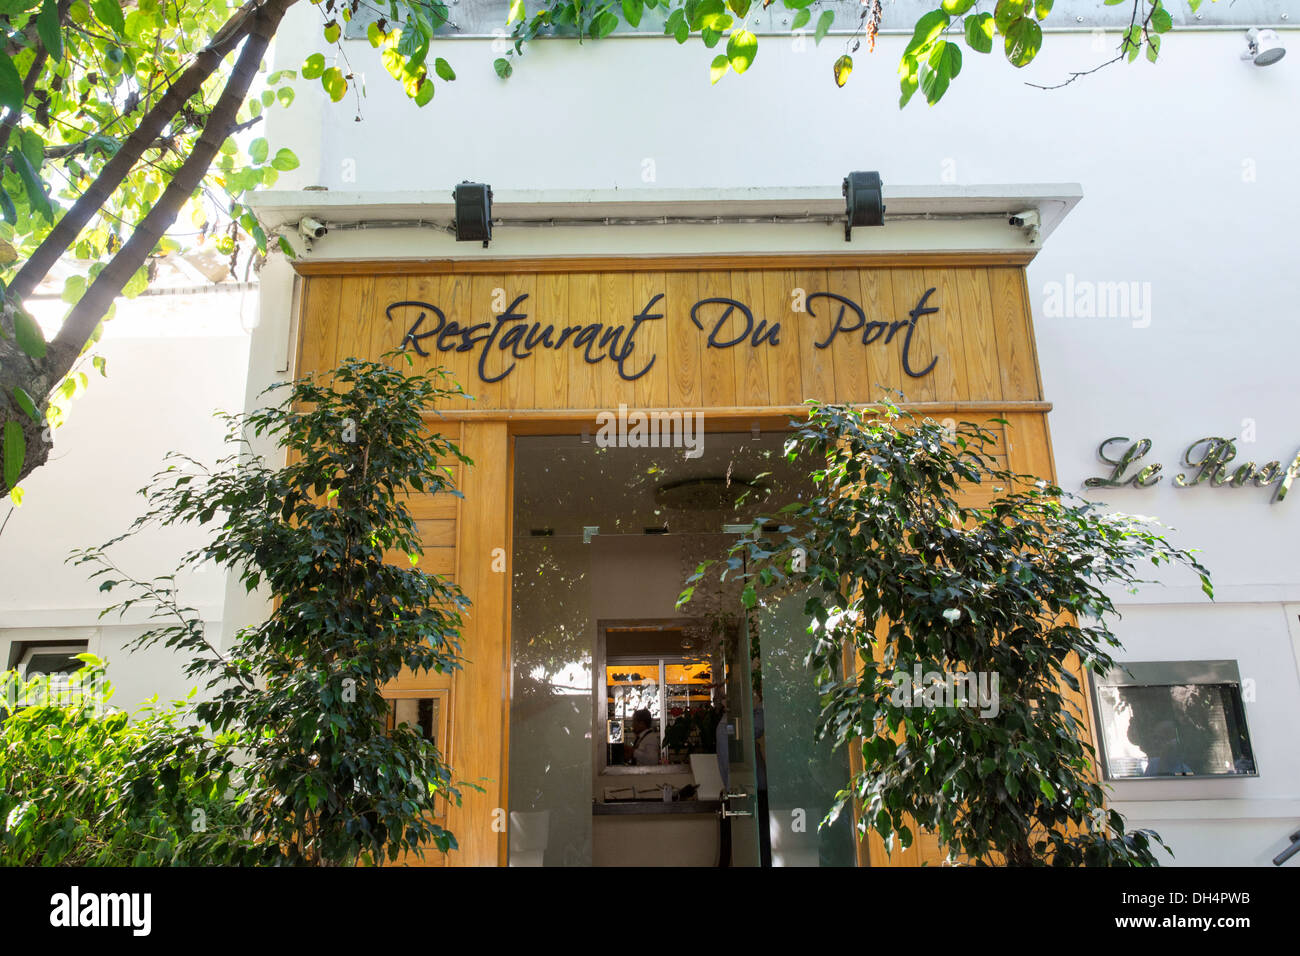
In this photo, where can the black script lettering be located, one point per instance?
(413, 334)
(915, 314)
(731, 306)
(620, 357)
(839, 325)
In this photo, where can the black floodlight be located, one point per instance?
(473, 212)
(864, 203)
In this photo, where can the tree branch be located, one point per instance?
(65, 232)
(29, 82)
(89, 310)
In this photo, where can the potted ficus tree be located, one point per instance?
(319, 777)
(902, 574)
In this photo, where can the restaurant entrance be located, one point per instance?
(579, 522)
(644, 733)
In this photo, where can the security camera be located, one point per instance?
(310, 228)
(1026, 220)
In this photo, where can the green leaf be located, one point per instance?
(1153, 47)
(7, 206)
(1042, 8)
(824, 23)
(979, 32)
(423, 94)
(843, 67)
(1161, 21)
(801, 19)
(15, 450)
(632, 10)
(313, 67)
(29, 335)
(1008, 11)
(284, 159)
(110, 14)
(335, 83)
(955, 8)
(443, 69)
(741, 48)
(258, 149)
(503, 67)
(927, 30)
(332, 32)
(517, 12)
(940, 67)
(718, 68)
(48, 29)
(1024, 38)
(11, 84)
(26, 404)
(604, 24)
(101, 364)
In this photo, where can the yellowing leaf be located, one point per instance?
(843, 67)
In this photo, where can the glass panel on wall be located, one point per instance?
(802, 774)
(550, 717)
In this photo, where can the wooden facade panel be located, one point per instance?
(753, 382)
(479, 690)
(845, 350)
(561, 347)
(652, 386)
(884, 364)
(909, 287)
(551, 383)
(784, 376)
(684, 342)
(980, 333)
(318, 324)
(1017, 362)
(435, 560)
(947, 334)
(816, 371)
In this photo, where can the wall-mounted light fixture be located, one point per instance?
(1263, 47)
(473, 221)
(864, 203)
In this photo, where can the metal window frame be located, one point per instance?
(1168, 674)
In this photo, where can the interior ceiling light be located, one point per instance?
(1264, 47)
(707, 494)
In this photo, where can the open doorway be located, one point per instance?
(637, 727)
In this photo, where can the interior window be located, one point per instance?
(659, 708)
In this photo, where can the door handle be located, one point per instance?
(727, 797)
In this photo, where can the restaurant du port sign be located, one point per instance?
(510, 337)
(1209, 461)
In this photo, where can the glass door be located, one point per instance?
(740, 755)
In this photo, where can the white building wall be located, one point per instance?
(172, 361)
(1186, 170)
(1187, 174)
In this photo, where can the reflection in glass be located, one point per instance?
(1174, 730)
